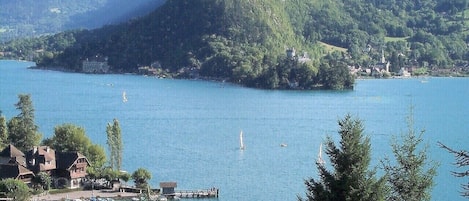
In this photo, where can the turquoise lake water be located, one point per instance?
(188, 131)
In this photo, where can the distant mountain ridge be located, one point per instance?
(26, 18)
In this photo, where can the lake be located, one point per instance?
(188, 130)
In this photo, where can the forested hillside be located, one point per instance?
(425, 32)
(20, 18)
(245, 41)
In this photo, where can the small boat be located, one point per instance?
(283, 145)
(320, 160)
(124, 97)
(241, 143)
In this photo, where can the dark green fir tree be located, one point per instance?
(350, 178)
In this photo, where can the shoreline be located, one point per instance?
(63, 69)
(84, 194)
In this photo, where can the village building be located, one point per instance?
(403, 73)
(291, 53)
(168, 188)
(147, 70)
(95, 64)
(381, 67)
(304, 58)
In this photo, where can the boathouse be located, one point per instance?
(167, 188)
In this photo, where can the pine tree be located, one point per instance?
(462, 160)
(410, 176)
(114, 141)
(350, 179)
(22, 131)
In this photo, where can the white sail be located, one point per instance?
(320, 160)
(124, 97)
(241, 143)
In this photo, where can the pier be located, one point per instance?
(168, 190)
(207, 193)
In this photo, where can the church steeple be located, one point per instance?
(383, 60)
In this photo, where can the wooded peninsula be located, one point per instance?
(268, 44)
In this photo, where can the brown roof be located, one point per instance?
(11, 151)
(38, 158)
(47, 152)
(65, 160)
(15, 155)
(13, 171)
(168, 184)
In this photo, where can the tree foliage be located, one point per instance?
(69, 137)
(114, 142)
(43, 181)
(462, 160)
(245, 41)
(239, 41)
(141, 177)
(350, 178)
(410, 175)
(15, 189)
(23, 133)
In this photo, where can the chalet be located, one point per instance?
(41, 159)
(71, 169)
(67, 169)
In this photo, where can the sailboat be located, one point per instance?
(124, 97)
(241, 143)
(320, 160)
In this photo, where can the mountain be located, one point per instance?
(277, 44)
(244, 42)
(21, 18)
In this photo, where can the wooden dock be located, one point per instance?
(206, 193)
(168, 190)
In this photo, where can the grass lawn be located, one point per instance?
(331, 48)
(395, 39)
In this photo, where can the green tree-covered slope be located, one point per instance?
(240, 41)
(245, 41)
